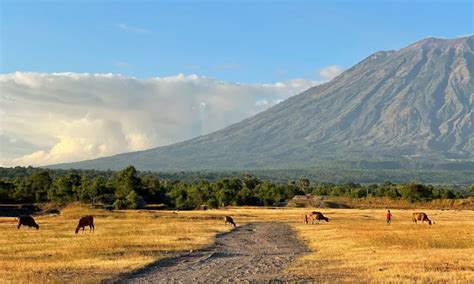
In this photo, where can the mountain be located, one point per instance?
(413, 105)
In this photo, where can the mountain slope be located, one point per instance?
(414, 103)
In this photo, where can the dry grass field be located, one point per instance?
(355, 245)
(122, 241)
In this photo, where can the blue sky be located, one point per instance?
(272, 49)
(238, 41)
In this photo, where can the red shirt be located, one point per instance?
(389, 215)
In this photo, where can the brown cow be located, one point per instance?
(313, 216)
(306, 218)
(421, 216)
(228, 219)
(86, 221)
(27, 220)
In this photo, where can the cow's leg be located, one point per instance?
(19, 225)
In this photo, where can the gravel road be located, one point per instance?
(252, 253)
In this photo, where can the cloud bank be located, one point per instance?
(329, 72)
(48, 118)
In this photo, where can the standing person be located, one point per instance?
(389, 217)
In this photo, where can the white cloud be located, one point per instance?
(127, 28)
(48, 118)
(329, 72)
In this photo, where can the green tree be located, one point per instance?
(120, 204)
(127, 181)
(179, 194)
(247, 197)
(65, 188)
(154, 191)
(213, 203)
(23, 192)
(225, 196)
(251, 182)
(92, 190)
(134, 201)
(338, 190)
(40, 182)
(7, 189)
(415, 192)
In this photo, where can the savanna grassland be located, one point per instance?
(123, 241)
(355, 245)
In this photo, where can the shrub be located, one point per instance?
(134, 201)
(120, 204)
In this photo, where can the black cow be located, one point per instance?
(27, 221)
(84, 222)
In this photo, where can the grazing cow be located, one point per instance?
(85, 221)
(306, 218)
(421, 216)
(313, 216)
(228, 219)
(27, 220)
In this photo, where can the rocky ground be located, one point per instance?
(255, 252)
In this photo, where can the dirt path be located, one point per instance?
(253, 252)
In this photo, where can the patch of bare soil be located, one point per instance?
(256, 252)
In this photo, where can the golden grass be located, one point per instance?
(123, 241)
(355, 245)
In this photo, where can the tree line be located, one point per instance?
(132, 189)
(332, 173)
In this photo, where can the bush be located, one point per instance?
(134, 201)
(415, 192)
(213, 203)
(120, 204)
